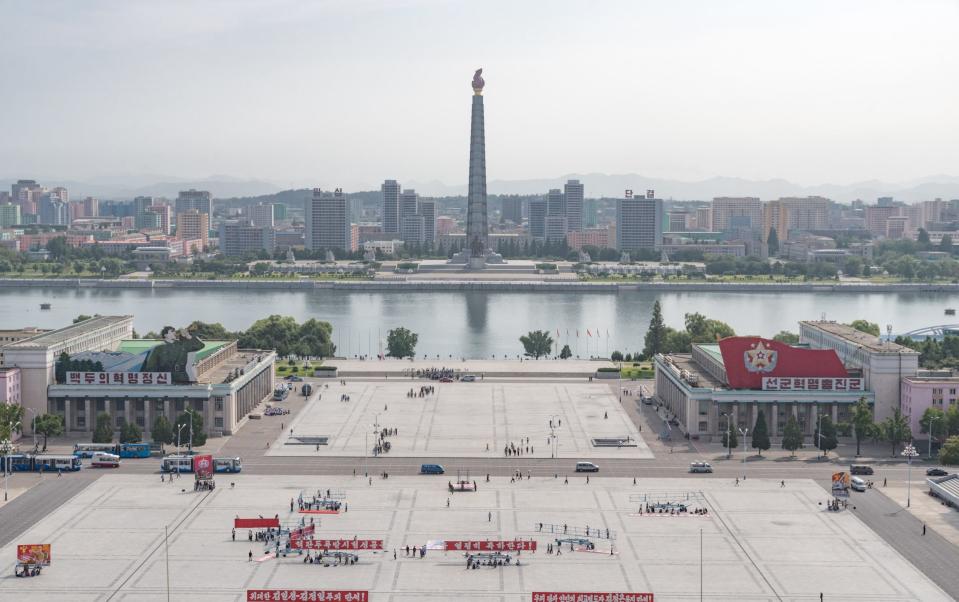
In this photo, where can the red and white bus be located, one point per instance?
(105, 460)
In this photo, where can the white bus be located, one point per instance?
(87, 450)
(177, 464)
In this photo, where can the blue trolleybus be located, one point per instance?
(124, 450)
(185, 464)
(39, 463)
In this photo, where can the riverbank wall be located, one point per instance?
(545, 286)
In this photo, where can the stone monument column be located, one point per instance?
(477, 226)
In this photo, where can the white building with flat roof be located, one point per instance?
(883, 363)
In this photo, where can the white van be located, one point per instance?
(858, 484)
(105, 460)
(700, 467)
(586, 467)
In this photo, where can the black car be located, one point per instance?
(936, 472)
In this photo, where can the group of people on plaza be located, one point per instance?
(494, 560)
(436, 373)
(415, 552)
(424, 391)
(513, 449)
(344, 397)
(330, 559)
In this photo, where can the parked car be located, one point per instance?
(858, 484)
(431, 469)
(446, 379)
(586, 467)
(294, 378)
(936, 472)
(468, 378)
(861, 469)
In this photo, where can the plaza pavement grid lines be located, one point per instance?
(460, 419)
(761, 542)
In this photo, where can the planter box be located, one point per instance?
(325, 372)
(606, 375)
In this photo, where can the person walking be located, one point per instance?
(250, 557)
(923, 528)
(489, 517)
(234, 534)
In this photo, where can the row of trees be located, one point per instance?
(699, 329)
(312, 338)
(162, 431)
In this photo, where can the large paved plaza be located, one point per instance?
(759, 541)
(477, 419)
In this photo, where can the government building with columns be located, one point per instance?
(736, 378)
(224, 386)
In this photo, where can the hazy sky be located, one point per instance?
(347, 93)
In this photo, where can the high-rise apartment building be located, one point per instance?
(413, 229)
(573, 191)
(639, 223)
(193, 225)
(877, 216)
(677, 221)
(792, 214)
(140, 206)
(555, 202)
(513, 209)
(704, 218)
(328, 222)
(736, 213)
(9, 215)
(91, 207)
(54, 211)
(408, 203)
(391, 206)
(241, 237)
(163, 217)
(427, 209)
(26, 194)
(201, 200)
(590, 212)
(262, 215)
(556, 228)
(537, 218)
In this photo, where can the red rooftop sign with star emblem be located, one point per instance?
(750, 359)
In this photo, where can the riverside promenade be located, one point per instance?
(465, 283)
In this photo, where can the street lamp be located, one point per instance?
(190, 412)
(729, 431)
(178, 431)
(33, 426)
(909, 452)
(819, 433)
(7, 446)
(743, 432)
(932, 420)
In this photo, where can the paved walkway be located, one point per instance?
(932, 553)
(43, 499)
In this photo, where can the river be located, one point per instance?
(474, 324)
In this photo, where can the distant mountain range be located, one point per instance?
(613, 185)
(596, 184)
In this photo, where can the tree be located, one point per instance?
(401, 342)
(933, 421)
(923, 238)
(48, 425)
(861, 422)
(949, 452)
(866, 326)
(615, 356)
(825, 440)
(537, 343)
(199, 437)
(103, 433)
(655, 338)
(273, 332)
(130, 433)
(853, 266)
(704, 330)
(792, 435)
(10, 414)
(760, 433)
(316, 339)
(772, 242)
(945, 244)
(210, 331)
(58, 247)
(730, 439)
(567, 353)
(895, 430)
(784, 336)
(162, 431)
(81, 318)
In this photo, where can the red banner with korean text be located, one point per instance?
(203, 466)
(336, 544)
(590, 597)
(303, 531)
(34, 553)
(511, 545)
(306, 595)
(748, 359)
(255, 523)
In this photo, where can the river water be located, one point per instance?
(474, 324)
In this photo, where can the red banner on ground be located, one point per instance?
(336, 544)
(590, 597)
(34, 553)
(306, 595)
(255, 523)
(491, 546)
(303, 531)
(748, 359)
(203, 466)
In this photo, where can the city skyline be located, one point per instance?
(673, 105)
